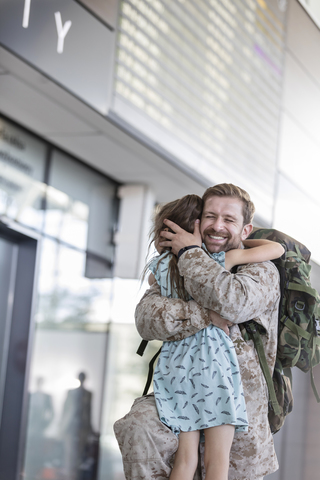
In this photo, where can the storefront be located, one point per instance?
(74, 346)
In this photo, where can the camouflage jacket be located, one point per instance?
(251, 293)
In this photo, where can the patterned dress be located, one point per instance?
(197, 383)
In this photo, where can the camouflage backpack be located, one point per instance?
(298, 327)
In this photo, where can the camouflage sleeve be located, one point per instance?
(237, 297)
(162, 318)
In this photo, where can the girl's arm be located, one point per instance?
(259, 251)
(151, 279)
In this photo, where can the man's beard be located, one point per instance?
(232, 243)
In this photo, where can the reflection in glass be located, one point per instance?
(67, 218)
(70, 441)
(81, 206)
(41, 414)
(66, 295)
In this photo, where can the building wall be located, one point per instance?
(296, 212)
(299, 144)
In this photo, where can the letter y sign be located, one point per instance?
(62, 31)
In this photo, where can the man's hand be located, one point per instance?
(219, 322)
(180, 238)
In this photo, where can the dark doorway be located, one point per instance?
(18, 253)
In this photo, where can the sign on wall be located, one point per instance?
(203, 80)
(64, 41)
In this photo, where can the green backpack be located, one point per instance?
(298, 327)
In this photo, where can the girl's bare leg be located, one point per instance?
(218, 441)
(186, 459)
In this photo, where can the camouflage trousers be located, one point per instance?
(148, 446)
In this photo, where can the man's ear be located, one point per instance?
(247, 229)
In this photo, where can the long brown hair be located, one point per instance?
(184, 212)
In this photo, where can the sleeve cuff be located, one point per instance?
(184, 249)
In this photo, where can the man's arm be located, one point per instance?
(163, 318)
(237, 297)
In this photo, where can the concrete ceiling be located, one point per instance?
(40, 105)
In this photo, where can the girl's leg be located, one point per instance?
(186, 459)
(218, 441)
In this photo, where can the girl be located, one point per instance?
(197, 384)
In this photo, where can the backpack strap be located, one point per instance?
(150, 372)
(302, 288)
(288, 373)
(140, 351)
(142, 347)
(255, 335)
(299, 332)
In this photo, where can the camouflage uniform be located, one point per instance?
(147, 445)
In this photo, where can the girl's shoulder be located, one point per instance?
(164, 258)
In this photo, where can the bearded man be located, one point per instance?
(226, 299)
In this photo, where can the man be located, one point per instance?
(222, 298)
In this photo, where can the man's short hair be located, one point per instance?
(230, 190)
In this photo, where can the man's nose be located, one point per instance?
(218, 224)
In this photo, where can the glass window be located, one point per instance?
(77, 213)
(22, 167)
(65, 402)
(126, 376)
(67, 298)
(81, 207)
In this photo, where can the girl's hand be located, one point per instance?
(220, 322)
(180, 238)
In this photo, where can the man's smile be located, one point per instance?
(217, 237)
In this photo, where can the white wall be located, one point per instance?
(298, 202)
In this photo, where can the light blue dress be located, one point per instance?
(197, 382)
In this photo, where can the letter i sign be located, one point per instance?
(62, 30)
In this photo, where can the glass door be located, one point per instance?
(18, 253)
(8, 268)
